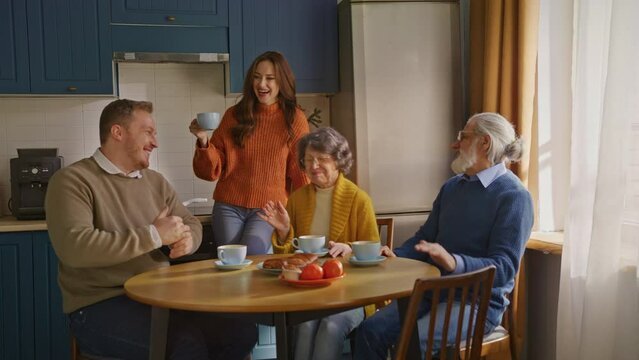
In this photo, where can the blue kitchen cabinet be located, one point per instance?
(305, 31)
(32, 324)
(51, 325)
(16, 296)
(70, 47)
(14, 70)
(55, 47)
(170, 26)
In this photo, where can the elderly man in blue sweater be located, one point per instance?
(481, 217)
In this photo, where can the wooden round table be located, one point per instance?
(262, 297)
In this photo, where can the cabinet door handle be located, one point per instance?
(170, 18)
(72, 88)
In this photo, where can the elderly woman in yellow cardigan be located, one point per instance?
(331, 205)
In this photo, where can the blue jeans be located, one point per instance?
(239, 225)
(379, 332)
(323, 339)
(119, 327)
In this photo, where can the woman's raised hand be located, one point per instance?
(200, 134)
(276, 215)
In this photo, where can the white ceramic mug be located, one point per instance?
(208, 120)
(231, 254)
(310, 243)
(366, 250)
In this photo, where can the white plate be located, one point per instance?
(321, 253)
(270, 271)
(372, 262)
(222, 266)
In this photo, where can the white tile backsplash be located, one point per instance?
(178, 93)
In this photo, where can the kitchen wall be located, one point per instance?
(178, 92)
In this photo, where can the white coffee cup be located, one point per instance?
(366, 250)
(310, 243)
(208, 120)
(231, 254)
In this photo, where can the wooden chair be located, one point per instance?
(501, 343)
(386, 224)
(474, 288)
(77, 355)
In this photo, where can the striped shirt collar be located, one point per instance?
(110, 167)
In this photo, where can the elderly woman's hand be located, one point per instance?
(386, 251)
(336, 249)
(276, 215)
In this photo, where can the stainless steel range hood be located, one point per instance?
(165, 57)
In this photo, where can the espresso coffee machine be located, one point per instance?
(30, 174)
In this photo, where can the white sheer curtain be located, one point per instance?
(599, 288)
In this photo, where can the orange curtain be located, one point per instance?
(502, 78)
(503, 65)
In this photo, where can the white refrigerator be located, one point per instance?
(400, 101)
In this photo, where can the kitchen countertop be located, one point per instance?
(546, 242)
(551, 242)
(11, 224)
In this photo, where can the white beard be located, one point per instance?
(464, 161)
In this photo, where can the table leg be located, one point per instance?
(159, 329)
(282, 337)
(413, 346)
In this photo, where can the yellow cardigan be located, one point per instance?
(352, 215)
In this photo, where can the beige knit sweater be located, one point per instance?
(99, 228)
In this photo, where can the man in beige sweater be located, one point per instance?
(108, 216)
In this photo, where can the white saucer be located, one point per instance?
(222, 266)
(320, 253)
(372, 262)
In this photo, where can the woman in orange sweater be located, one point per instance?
(253, 153)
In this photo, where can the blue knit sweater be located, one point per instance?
(484, 226)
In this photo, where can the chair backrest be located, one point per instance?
(473, 289)
(388, 224)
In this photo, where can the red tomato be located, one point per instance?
(332, 268)
(312, 272)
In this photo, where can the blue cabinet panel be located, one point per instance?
(70, 47)
(16, 296)
(305, 31)
(170, 12)
(14, 67)
(51, 325)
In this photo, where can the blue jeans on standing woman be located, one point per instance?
(323, 339)
(119, 327)
(239, 225)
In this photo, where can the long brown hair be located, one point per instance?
(248, 105)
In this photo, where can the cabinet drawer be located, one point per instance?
(170, 12)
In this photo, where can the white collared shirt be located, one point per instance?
(105, 164)
(487, 176)
(110, 167)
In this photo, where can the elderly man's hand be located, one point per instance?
(439, 255)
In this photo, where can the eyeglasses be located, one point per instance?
(309, 160)
(461, 136)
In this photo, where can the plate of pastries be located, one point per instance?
(275, 265)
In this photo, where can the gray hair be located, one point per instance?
(504, 144)
(328, 141)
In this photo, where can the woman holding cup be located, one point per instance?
(253, 154)
(330, 205)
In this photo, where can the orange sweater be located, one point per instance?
(262, 169)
